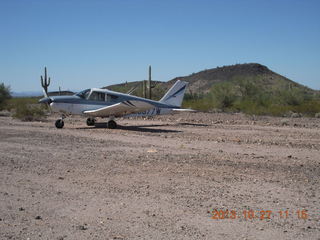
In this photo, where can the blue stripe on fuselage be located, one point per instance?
(127, 99)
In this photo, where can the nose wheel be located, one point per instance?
(59, 123)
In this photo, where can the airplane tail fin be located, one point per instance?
(175, 94)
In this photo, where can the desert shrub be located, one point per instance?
(223, 95)
(13, 103)
(245, 95)
(29, 112)
(278, 110)
(202, 104)
(248, 106)
(247, 88)
(310, 107)
(189, 96)
(292, 96)
(4, 95)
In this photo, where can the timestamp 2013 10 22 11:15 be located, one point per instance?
(257, 214)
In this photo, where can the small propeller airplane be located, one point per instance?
(105, 103)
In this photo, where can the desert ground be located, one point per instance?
(168, 177)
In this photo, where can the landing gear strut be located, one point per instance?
(112, 124)
(90, 121)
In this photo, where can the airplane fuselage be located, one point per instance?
(75, 105)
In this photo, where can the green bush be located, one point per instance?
(223, 95)
(310, 107)
(28, 112)
(201, 104)
(244, 95)
(247, 88)
(13, 103)
(278, 110)
(292, 97)
(4, 95)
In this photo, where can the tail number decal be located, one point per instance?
(153, 111)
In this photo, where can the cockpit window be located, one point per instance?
(83, 94)
(97, 96)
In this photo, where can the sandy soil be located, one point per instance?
(161, 178)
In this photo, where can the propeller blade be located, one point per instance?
(45, 100)
(44, 93)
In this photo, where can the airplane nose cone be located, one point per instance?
(46, 100)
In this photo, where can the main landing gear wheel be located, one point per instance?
(59, 123)
(112, 124)
(90, 121)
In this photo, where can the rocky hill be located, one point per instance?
(201, 82)
(258, 74)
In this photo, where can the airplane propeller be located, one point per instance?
(46, 100)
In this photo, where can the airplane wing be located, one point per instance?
(120, 109)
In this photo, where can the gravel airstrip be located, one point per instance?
(183, 176)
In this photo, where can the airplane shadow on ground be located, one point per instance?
(140, 128)
(145, 128)
(193, 124)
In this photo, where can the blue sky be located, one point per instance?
(95, 43)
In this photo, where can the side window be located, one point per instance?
(111, 98)
(97, 96)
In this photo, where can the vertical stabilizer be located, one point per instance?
(175, 94)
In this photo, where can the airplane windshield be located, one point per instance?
(83, 94)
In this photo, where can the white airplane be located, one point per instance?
(104, 103)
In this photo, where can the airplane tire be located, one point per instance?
(90, 121)
(112, 124)
(59, 123)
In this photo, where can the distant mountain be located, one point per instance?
(57, 93)
(201, 82)
(27, 94)
(39, 93)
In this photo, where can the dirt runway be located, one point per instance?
(184, 176)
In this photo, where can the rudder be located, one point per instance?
(175, 94)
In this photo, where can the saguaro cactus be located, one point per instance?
(45, 82)
(150, 86)
(144, 89)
